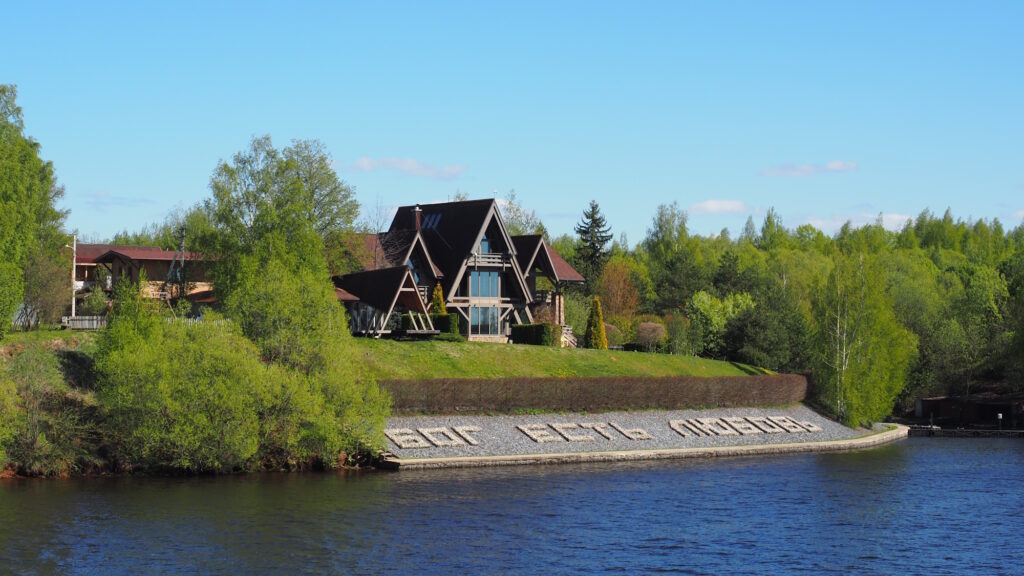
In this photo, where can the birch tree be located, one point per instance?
(862, 353)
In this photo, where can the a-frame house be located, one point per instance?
(466, 248)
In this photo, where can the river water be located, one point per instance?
(920, 506)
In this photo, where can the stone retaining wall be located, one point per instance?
(894, 433)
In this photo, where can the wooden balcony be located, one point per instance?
(500, 259)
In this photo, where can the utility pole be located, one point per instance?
(74, 264)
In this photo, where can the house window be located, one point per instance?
(483, 321)
(484, 284)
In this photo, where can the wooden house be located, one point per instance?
(488, 278)
(130, 262)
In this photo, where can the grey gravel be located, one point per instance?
(499, 435)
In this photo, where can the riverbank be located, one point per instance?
(471, 441)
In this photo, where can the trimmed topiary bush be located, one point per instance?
(595, 336)
(446, 323)
(437, 301)
(535, 334)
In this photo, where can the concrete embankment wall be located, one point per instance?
(446, 396)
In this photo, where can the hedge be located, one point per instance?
(536, 334)
(445, 396)
(446, 323)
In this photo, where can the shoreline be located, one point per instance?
(894, 433)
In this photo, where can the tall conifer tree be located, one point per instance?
(593, 235)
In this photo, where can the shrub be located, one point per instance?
(556, 335)
(535, 334)
(614, 335)
(446, 323)
(291, 315)
(437, 301)
(55, 429)
(184, 398)
(95, 304)
(407, 323)
(595, 337)
(650, 335)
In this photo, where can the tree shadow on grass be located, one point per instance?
(78, 369)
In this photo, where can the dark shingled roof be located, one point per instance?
(388, 249)
(526, 250)
(378, 287)
(449, 230)
(531, 247)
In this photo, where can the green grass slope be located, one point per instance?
(390, 360)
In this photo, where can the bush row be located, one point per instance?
(540, 334)
(605, 393)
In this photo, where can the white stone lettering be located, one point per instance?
(698, 425)
(786, 423)
(766, 425)
(441, 437)
(465, 431)
(599, 427)
(742, 426)
(680, 427)
(632, 434)
(406, 438)
(539, 433)
(718, 427)
(564, 428)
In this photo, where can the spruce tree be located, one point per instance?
(593, 236)
(595, 336)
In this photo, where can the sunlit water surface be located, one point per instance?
(920, 506)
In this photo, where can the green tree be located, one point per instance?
(773, 233)
(861, 354)
(518, 220)
(29, 218)
(773, 335)
(47, 291)
(10, 294)
(673, 259)
(595, 336)
(592, 252)
(709, 316)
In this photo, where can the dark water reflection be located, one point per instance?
(922, 506)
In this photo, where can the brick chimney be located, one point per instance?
(419, 217)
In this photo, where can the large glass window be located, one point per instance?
(484, 321)
(485, 245)
(484, 284)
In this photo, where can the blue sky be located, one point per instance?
(827, 111)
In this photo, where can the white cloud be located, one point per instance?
(1019, 214)
(834, 222)
(810, 169)
(408, 166)
(718, 207)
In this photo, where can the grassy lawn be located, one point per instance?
(46, 336)
(390, 360)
